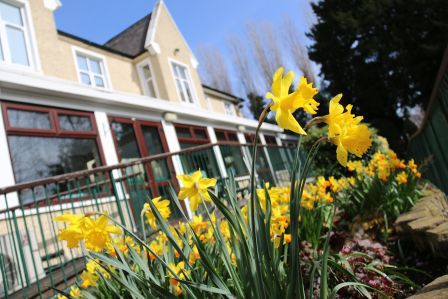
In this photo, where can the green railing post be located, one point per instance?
(117, 198)
(22, 255)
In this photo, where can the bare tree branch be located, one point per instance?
(242, 64)
(297, 50)
(266, 47)
(213, 69)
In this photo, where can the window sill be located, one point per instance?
(18, 68)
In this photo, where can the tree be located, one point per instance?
(244, 70)
(242, 65)
(297, 50)
(266, 48)
(382, 54)
(213, 69)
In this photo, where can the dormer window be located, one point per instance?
(183, 83)
(14, 48)
(91, 70)
(147, 78)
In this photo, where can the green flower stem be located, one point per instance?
(252, 226)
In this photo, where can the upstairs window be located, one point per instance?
(147, 79)
(229, 109)
(14, 47)
(91, 70)
(183, 83)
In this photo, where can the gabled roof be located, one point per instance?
(131, 41)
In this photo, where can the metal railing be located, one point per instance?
(33, 261)
(429, 145)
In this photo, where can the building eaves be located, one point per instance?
(228, 96)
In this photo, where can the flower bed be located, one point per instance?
(285, 242)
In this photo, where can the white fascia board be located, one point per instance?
(44, 85)
(150, 44)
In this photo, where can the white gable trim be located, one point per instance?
(150, 43)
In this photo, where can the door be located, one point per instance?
(135, 139)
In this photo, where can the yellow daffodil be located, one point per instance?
(194, 187)
(285, 103)
(93, 266)
(73, 233)
(179, 270)
(75, 292)
(402, 178)
(88, 279)
(194, 255)
(346, 132)
(97, 233)
(162, 205)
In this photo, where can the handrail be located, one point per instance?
(107, 168)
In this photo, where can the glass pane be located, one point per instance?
(28, 119)
(182, 72)
(85, 78)
(220, 136)
(183, 132)
(95, 66)
(82, 62)
(66, 155)
(200, 134)
(17, 46)
(10, 13)
(151, 90)
(1, 51)
(184, 145)
(176, 70)
(204, 160)
(181, 90)
(147, 71)
(233, 159)
(152, 139)
(232, 137)
(270, 139)
(75, 123)
(188, 91)
(127, 143)
(154, 145)
(99, 82)
(160, 170)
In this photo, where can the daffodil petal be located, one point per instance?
(287, 121)
(342, 154)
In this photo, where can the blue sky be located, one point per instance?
(201, 22)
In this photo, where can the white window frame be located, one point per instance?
(103, 65)
(189, 81)
(29, 35)
(232, 111)
(144, 81)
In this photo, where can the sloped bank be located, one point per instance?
(426, 225)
